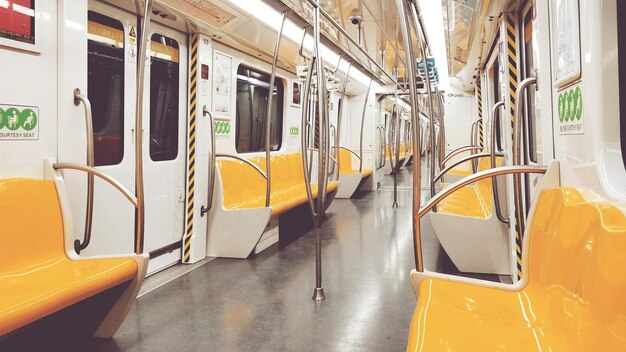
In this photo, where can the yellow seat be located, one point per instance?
(36, 277)
(245, 188)
(473, 201)
(483, 164)
(388, 152)
(345, 164)
(573, 299)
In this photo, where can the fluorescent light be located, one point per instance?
(266, 14)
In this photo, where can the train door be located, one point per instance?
(107, 78)
(531, 137)
(165, 121)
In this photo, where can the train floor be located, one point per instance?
(264, 303)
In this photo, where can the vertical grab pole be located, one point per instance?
(303, 136)
(410, 58)
(367, 95)
(397, 152)
(78, 98)
(141, 67)
(494, 180)
(322, 176)
(211, 189)
(339, 115)
(517, 151)
(268, 124)
(430, 97)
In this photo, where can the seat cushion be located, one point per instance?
(36, 277)
(452, 316)
(44, 288)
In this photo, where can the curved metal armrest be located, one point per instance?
(237, 157)
(350, 150)
(477, 177)
(467, 148)
(461, 161)
(93, 171)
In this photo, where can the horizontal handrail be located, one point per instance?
(350, 150)
(463, 160)
(467, 148)
(505, 170)
(93, 171)
(254, 166)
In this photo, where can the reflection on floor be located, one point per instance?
(264, 303)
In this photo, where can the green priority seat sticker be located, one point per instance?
(18, 122)
(570, 110)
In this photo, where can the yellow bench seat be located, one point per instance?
(572, 300)
(345, 164)
(474, 200)
(245, 188)
(36, 277)
(282, 200)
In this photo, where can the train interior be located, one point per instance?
(312, 175)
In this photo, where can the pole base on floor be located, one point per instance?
(394, 205)
(318, 294)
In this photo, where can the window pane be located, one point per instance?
(105, 87)
(164, 89)
(252, 98)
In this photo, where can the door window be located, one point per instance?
(164, 89)
(105, 87)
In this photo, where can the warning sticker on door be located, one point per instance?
(132, 44)
(18, 122)
(570, 108)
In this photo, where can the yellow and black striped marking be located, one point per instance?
(512, 53)
(481, 133)
(191, 155)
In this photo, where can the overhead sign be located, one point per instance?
(433, 75)
(19, 122)
(570, 110)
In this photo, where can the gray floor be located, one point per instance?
(264, 303)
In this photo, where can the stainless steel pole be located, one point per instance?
(318, 293)
(492, 147)
(345, 33)
(339, 115)
(430, 96)
(417, 164)
(78, 98)
(517, 158)
(268, 119)
(367, 94)
(141, 67)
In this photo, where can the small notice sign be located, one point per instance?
(570, 108)
(18, 122)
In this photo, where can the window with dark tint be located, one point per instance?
(105, 87)
(621, 46)
(252, 98)
(164, 89)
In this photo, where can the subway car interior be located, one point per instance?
(312, 175)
